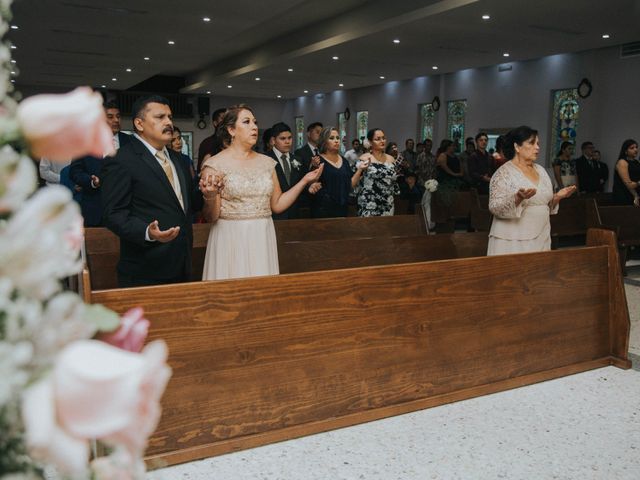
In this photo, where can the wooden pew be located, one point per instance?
(625, 220)
(102, 248)
(447, 209)
(479, 215)
(266, 359)
(315, 256)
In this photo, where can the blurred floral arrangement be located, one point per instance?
(65, 382)
(431, 185)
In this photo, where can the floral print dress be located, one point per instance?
(378, 187)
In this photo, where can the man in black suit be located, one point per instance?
(587, 170)
(87, 171)
(307, 153)
(289, 169)
(148, 200)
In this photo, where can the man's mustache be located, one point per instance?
(168, 130)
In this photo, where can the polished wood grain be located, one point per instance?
(264, 359)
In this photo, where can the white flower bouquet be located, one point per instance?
(431, 185)
(61, 388)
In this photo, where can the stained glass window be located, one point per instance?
(362, 123)
(456, 110)
(564, 123)
(300, 141)
(427, 120)
(342, 129)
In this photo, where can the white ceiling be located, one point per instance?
(65, 43)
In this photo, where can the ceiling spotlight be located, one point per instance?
(128, 70)
(335, 57)
(206, 19)
(341, 84)
(208, 92)
(13, 81)
(229, 86)
(306, 91)
(435, 67)
(279, 96)
(171, 42)
(381, 77)
(13, 61)
(606, 35)
(289, 69)
(396, 40)
(257, 79)
(147, 58)
(103, 86)
(14, 27)
(486, 17)
(505, 54)
(12, 72)
(13, 47)
(114, 79)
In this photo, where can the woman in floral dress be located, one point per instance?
(377, 177)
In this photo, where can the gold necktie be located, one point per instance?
(164, 161)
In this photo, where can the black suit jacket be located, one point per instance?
(135, 192)
(80, 172)
(296, 176)
(588, 175)
(304, 155)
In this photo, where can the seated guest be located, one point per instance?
(412, 191)
(176, 146)
(564, 167)
(626, 177)
(521, 198)
(330, 194)
(86, 172)
(309, 153)
(480, 163)
(211, 145)
(288, 169)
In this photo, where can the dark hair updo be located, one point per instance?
(229, 121)
(517, 136)
(371, 133)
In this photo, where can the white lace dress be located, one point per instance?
(522, 228)
(242, 242)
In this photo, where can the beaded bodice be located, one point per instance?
(247, 189)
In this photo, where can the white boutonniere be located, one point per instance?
(296, 164)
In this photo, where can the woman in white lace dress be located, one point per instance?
(521, 198)
(241, 190)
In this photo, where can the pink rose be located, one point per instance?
(132, 332)
(95, 391)
(62, 127)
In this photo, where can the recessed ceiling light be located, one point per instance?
(13, 81)
(341, 84)
(396, 40)
(208, 92)
(14, 27)
(128, 70)
(306, 91)
(147, 58)
(435, 67)
(103, 86)
(606, 35)
(229, 86)
(13, 47)
(171, 42)
(486, 17)
(289, 69)
(279, 96)
(335, 57)
(206, 19)
(381, 77)
(114, 79)
(12, 72)
(257, 79)
(505, 54)
(13, 61)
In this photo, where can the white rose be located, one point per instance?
(60, 127)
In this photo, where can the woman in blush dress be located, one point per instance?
(378, 178)
(521, 198)
(330, 194)
(241, 190)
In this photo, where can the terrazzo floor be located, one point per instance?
(584, 426)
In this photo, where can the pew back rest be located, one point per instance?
(626, 219)
(297, 257)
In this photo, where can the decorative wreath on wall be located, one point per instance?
(435, 103)
(584, 88)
